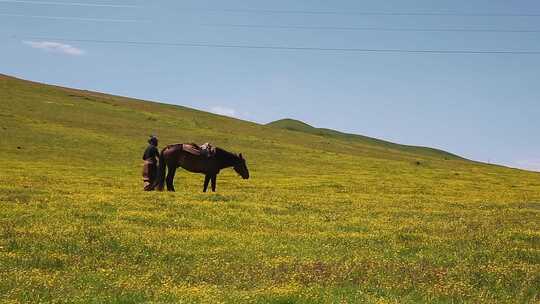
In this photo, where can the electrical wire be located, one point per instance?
(287, 48)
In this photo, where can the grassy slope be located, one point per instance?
(299, 126)
(322, 219)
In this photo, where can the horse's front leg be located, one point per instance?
(206, 181)
(214, 179)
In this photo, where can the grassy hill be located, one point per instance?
(323, 219)
(299, 126)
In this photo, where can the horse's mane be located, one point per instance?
(226, 156)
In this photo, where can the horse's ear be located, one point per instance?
(240, 155)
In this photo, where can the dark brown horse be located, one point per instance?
(190, 157)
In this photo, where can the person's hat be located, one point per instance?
(152, 139)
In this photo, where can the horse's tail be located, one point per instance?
(160, 181)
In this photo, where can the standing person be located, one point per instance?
(150, 158)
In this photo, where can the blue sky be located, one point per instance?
(481, 106)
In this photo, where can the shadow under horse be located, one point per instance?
(197, 160)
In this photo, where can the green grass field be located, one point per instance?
(323, 219)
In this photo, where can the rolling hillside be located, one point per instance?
(299, 126)
(326, 217)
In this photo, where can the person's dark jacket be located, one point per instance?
(151, 153)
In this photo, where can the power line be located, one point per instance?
(68, 3)
(298, 27)
(72, 18)
(276, 11)
(376, 29)
(289, 48)
(362, 13)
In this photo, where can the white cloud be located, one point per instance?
(224, 111)
(55, 47)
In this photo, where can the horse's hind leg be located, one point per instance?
(214, 180)
(170, 178)
(206, 181)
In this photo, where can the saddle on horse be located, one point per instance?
(206, 149)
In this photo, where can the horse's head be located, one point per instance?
(241, 168)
